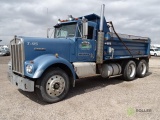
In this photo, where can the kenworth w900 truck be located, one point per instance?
(81, 47)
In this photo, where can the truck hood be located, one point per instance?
(34, 47)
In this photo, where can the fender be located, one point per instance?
(42, 62)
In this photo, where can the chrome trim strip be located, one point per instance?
(23, 55)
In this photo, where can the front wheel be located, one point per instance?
(53, 86)
(129, 70)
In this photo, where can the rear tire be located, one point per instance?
(53, 85)
(129, 70)
(142, 68)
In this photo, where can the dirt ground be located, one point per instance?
(93, 98)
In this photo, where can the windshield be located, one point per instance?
(64, 31)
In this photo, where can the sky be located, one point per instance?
(33, 17)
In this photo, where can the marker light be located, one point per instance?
(59, 21)
(70, 17)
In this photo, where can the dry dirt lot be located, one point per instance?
(92, 99)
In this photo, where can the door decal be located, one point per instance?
(85, 45)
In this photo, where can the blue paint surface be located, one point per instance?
(41, 63)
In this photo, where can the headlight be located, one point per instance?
(29, 68)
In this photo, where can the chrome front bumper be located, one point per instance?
(22, 83)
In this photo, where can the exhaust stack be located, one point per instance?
(102, 18)
(100, 43)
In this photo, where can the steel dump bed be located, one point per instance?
(125, 46)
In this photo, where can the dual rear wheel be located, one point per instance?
(131, 69)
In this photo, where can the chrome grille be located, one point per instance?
(17, 55)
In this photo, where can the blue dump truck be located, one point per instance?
(81, 47)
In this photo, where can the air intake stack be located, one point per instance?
(99, 57)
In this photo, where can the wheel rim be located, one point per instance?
(132, 70)
(55, 86)
(143, 68)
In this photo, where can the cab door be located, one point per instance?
(86, 48)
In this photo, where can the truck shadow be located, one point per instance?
(82, 86)
(32, 96)
(90, 84)
(149, 73)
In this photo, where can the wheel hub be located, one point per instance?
(55, 86)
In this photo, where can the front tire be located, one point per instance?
(129, 70)
(142, 68)
(53, 85)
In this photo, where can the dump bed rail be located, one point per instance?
(129, 37)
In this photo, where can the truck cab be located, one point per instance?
(85, 44)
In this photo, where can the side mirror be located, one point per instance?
(85, 29)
